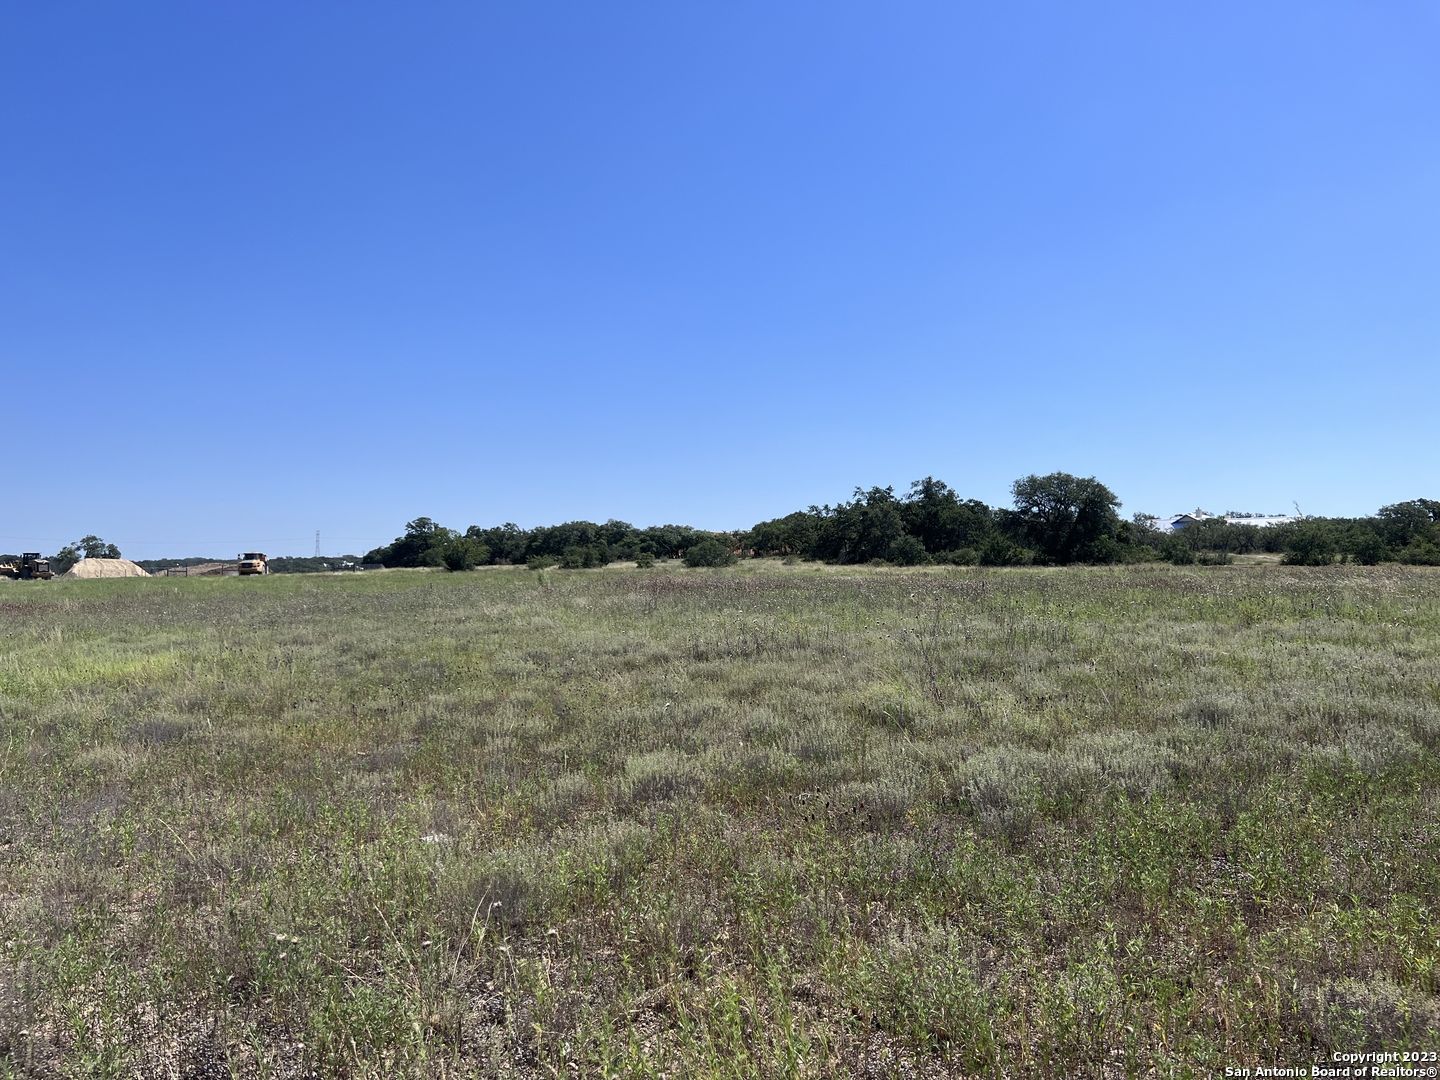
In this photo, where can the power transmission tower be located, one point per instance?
(317, 543)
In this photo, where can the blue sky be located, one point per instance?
(271, 268)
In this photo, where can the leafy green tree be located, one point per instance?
(557, 539)
(308, 564)
(64, 559)
(89, 547)
(1311, 543)
(1066, 518)
(1421, 553)
(1139, 539)
(907, 550)
(709, 552)
(1212, 541)
(587, 557)
(1057, 518)
(505, 543)
(1001, 551)
(95, 548)
(936, 516)
(862, 530)
(1369, 548)
(664, 541)
(794, 534)
(616, 533)
(464, 553)
(423, 544)
(876, 524)
(1218, 535)
(586, 543)
(1414, 524)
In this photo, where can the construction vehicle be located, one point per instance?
(253, 562)
(31, 565)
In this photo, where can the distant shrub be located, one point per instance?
(587, 557)
(1311, 544)
(907, 550)
(541, 562)
(644, 560)
(1421, 553)
(1140, 553)
(1001, 552)
(1370, 550)
(462, 553)
(709, 552)
(423, 544)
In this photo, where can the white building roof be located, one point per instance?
(1260, 521)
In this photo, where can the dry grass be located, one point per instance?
(766, 821)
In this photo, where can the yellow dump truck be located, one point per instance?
(253, 562)
(31, 565)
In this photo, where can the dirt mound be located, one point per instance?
(220, 569)
(93, 568)
(204, 568)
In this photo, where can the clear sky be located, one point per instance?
(268, 268)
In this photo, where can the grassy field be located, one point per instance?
(767, 821)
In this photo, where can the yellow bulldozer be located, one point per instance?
(31, 565)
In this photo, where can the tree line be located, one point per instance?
(1406, 532)
(1054, 520)
(574, 545)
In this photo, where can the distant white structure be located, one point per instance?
(1260, 521)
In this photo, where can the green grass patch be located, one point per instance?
(752, 821)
